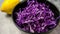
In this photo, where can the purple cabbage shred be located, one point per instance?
(36, 17)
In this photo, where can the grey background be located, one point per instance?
(1, 2)
(7, 25)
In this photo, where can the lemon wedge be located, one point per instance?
(8, 5)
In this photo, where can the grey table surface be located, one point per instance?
(7, 25)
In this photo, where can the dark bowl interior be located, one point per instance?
(24, 4)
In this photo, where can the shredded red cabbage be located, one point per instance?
(36, 17)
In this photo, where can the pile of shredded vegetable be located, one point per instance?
(36, 17)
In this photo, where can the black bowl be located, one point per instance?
(24, 4)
